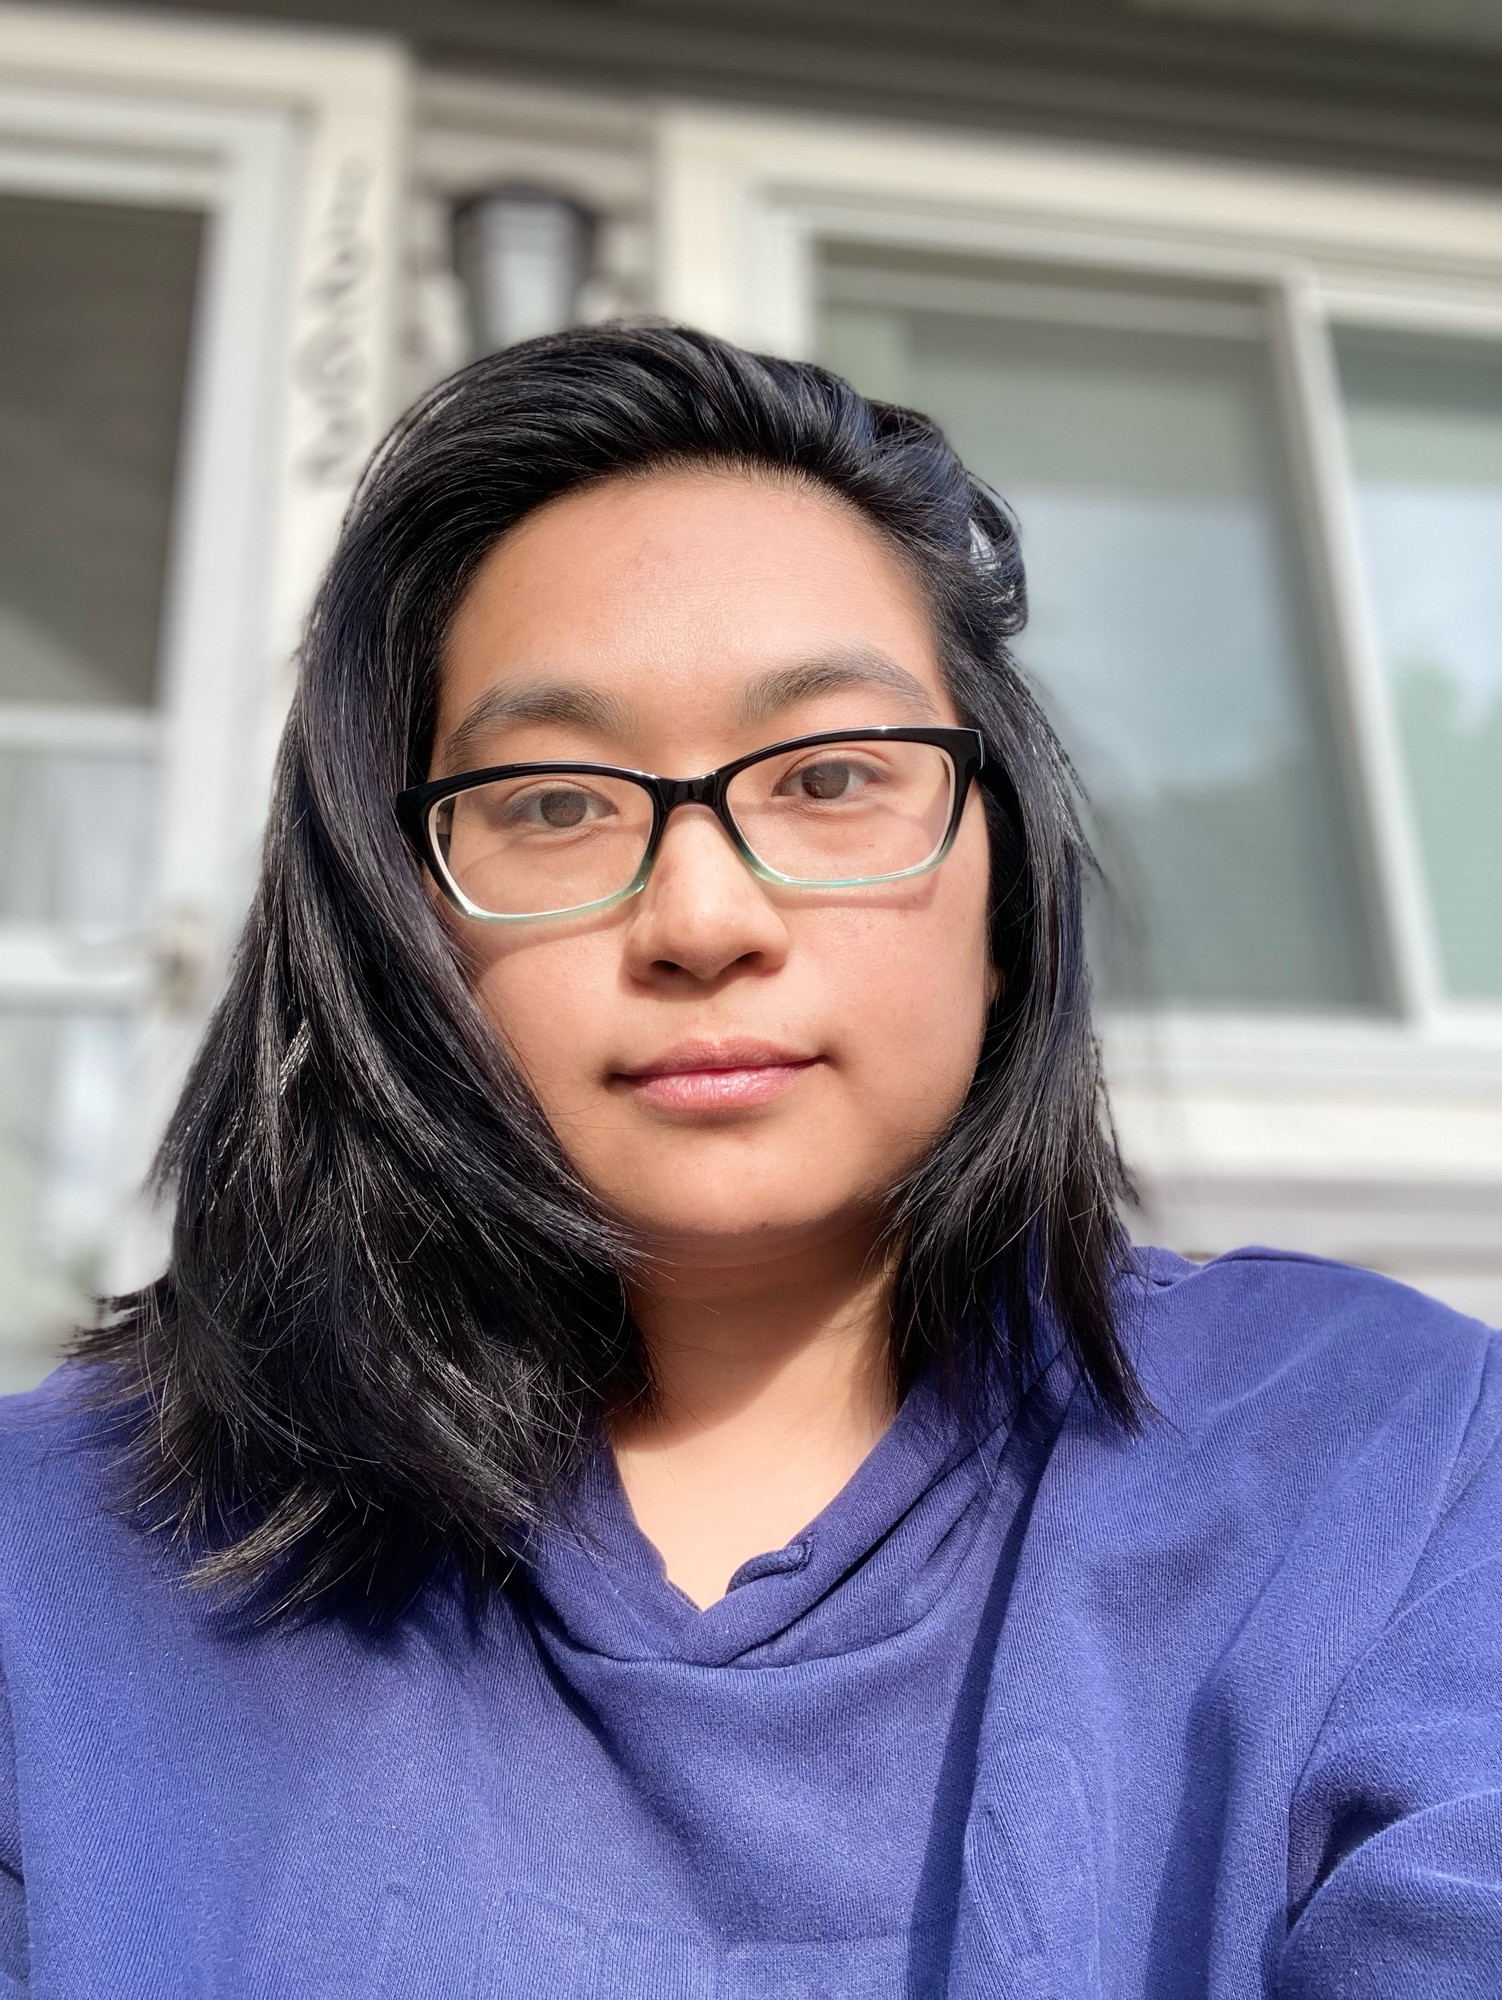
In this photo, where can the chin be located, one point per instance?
(732, 1230)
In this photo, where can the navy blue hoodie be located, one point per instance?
(1053, 1713)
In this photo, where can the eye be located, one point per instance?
(557, 808)
(827, 780)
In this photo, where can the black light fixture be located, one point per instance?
(524, 256)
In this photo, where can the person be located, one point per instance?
(653, 1469)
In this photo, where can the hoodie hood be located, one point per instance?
(870, 1565)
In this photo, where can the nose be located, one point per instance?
(702, 911)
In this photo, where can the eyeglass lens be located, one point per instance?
(823, 816)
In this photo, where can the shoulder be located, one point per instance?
(1202, 1331)
(64, 1421)
(1316, 1361)
(62, 1480)
(1318, 1437)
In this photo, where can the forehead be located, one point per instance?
(711, 598)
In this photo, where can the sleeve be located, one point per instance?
(1395, 1832)
(15, 1981)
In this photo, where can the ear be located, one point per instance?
(996, 985)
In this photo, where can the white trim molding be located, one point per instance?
(743, 197)
(293, 146)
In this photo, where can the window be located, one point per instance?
(1135, 432)
(1219, 399)
(1249, 420)
(95, 329)
(197, 245)
(1424, 422)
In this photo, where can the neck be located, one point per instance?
(772, 1383)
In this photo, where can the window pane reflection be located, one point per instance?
(1425, 429)
(1167, 626)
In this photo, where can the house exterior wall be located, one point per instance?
(1146, 159)
(1375, 84)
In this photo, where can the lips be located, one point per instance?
(704, 1076)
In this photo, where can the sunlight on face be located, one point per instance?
(739, 1070)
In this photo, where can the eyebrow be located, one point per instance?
(577, 704)
(831, 674)
(565, 702)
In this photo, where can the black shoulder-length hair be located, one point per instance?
(393, 1319)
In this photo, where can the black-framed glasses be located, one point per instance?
(840, 810)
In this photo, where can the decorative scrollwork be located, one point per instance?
(333, 368)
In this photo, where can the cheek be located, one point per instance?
(550, 1001)
(915, 993)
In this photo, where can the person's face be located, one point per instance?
(738, 1070)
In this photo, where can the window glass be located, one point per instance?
(76, 820)
(95, 316)
(96, 313)
(64, 1080)
(1136, 436)
(1425, 428)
